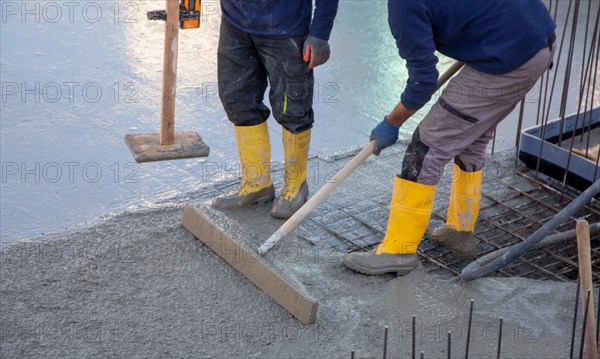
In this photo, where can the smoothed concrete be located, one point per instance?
(139, 285)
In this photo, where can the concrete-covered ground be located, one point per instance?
(126, 280)
(140, 285)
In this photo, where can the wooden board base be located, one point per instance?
(253, 267)
(593, 152)
(147, 147)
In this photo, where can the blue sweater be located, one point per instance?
(492, 36)
(281, 18)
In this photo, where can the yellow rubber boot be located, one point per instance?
(254, 148)
(463, 210)
(410, 211)
(295, 190)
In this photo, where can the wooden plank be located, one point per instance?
(147, 147)
(253, 267)
(585, 279)
(591, 153)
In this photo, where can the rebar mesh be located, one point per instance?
(510, 220)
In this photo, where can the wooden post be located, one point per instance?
(585, 278)
(168, 145)
(336, 180)
(169, 84)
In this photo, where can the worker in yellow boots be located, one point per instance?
(463, 210)
(506, 45)
(271, 43)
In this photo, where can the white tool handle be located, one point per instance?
(315, 200)
(335, 181)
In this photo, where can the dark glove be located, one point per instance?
(385, 134)
(316, 51)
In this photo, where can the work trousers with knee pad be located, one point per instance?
(248, 63)
(462, 122)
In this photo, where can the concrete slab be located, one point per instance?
(141, 286)
(138, 284)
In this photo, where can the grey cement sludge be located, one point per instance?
(139, 285)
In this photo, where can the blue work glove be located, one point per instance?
(316, 51)
(385, 134)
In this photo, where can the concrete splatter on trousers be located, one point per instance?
(247, 63)
(462, 122)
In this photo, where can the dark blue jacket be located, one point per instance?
(492, 36)
(281, 18)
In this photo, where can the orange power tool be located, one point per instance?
(189, 14)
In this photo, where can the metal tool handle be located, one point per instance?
(336, 180)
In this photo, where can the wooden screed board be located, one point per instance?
(252, 266)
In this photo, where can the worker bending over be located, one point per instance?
(506, 45)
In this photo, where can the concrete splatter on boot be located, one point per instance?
(463, 210)
(410, 211)
(239, 199)
(460, 243)
(295, 190)
(370, 263)
(254, 149)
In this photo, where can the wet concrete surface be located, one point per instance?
(125, 279)
(77, 77)
(74, 85)
(139, 285)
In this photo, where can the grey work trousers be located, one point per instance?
(462, 122)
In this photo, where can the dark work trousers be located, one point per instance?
(462, 122)
(247, 63)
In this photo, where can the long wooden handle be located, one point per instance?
(169, 84)
(336, 180)
(315, 200)
(585, 279)
(449, 73)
